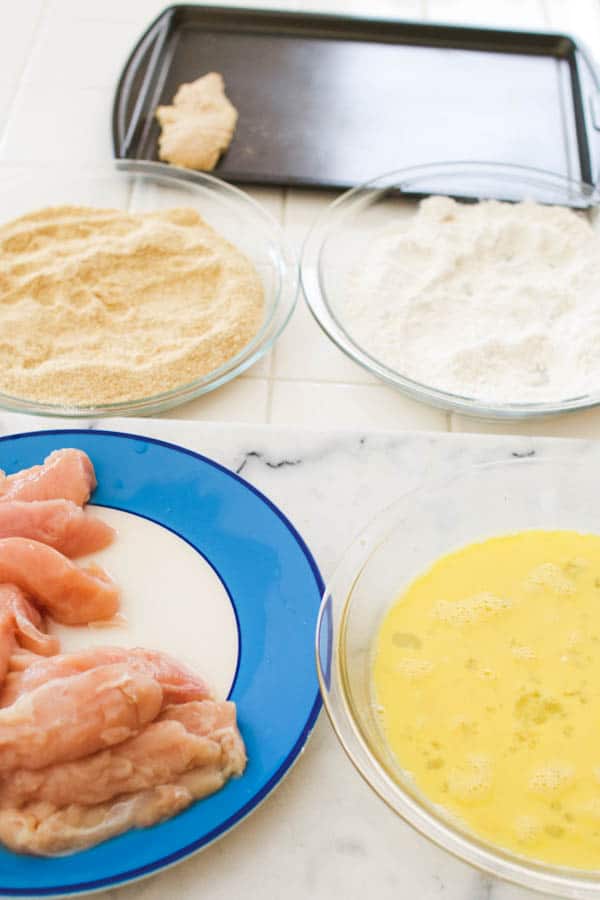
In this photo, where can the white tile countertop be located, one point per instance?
(59, 63)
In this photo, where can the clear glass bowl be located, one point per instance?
(338, 237)
(144, 186)
(479, 502)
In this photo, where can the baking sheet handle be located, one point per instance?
(139, 67)
(589, 81)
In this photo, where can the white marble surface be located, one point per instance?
(322, 832)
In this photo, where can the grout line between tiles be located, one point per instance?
(283, 221)
(324, 382)
(110, 20)
(270, 364)
(288, 379)
(284, 206)
(19, 82)
(269, 410)
(546, 13)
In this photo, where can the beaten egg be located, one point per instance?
(487, 681)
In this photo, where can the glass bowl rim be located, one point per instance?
(284, 302)
(322, 311)
(576, 884)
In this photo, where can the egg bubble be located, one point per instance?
(414, 668)
(470, 609)
(527, 828)
(521, 651)
(551, 777)
(471, 782)
(590, 808)
(551, 577)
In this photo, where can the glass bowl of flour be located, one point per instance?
(484, 306)
(132, 287)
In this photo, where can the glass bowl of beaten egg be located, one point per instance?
(150, 370)
(431, 325)
(458, 657)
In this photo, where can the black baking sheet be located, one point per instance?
(332, 101)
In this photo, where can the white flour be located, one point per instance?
(495, 301)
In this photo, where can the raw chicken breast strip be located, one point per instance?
(58, 523)
(65, 475)
(41, 830)
(20, 624)
(28, 623)
(20, 659)
(72, 595)
(178, 683)
(45, 830)
(161, 753)
(70, 718)
(8, 640)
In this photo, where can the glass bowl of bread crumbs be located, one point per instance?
(131, 288)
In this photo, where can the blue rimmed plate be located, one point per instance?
(259, 565)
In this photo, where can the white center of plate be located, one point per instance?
(170, 596)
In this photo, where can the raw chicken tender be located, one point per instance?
(71, 595)
(28, 623)
(20, 627)
(178, 683)
(199, 126)
(44, 828)
(70, 718)
(164, 750)
(20, 659)
(65, 475)
(8, 641)
(61, 524)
